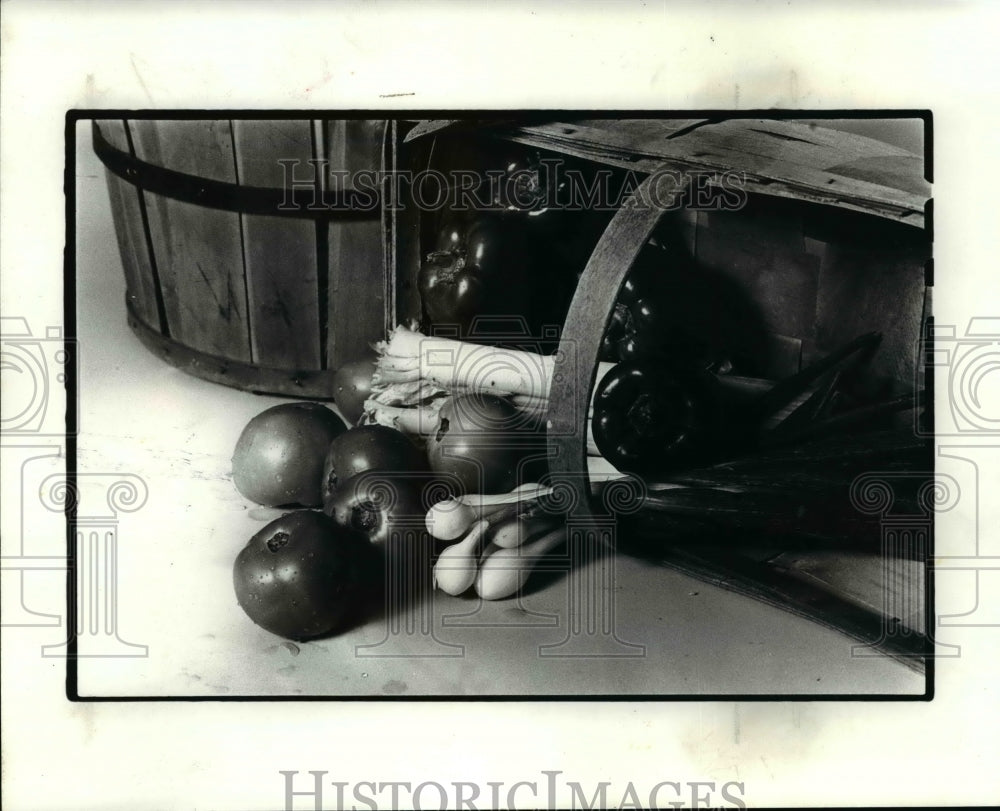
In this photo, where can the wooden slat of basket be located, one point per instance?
(140, 281)
(576, 361)
(868, 580)
(638, 129)
(357, 265)
(761, 250)
(280, 253)
(810, 598)
(779, 158)
(786, 532)
(796, 144)
(865, 288)
(402, 231)
(198, 251)
(903, 172)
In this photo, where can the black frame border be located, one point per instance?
(72, 381)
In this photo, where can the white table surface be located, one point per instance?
(141, 417)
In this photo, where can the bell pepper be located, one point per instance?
(638, 329)
(648, 419)
(479, 267)
(668, 312)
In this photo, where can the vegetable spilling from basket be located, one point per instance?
(444, 470)
(450, 446)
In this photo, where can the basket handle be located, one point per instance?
(576, 360)
(346, 204)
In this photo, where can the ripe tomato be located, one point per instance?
(302, 575)
(352, 384)
(376, 503)
(279, 456)
(368, 447)
(486, 443)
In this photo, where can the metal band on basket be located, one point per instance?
(576, 361)
(303, 203)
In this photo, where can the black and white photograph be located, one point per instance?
(415, 406)
(545, 406)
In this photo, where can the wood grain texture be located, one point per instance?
(853, 577)
(863, 289)
(404, 223)
(685, 223)
(812, 598)
(279, 253)
(784, 355)
(761, 249)
(198, 251)
(903, 172)
(757, 260)
(576, 361)
(358, 280)
(314, 384)
(778, 158)
(140, 278)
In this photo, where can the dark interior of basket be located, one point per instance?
(779, 281)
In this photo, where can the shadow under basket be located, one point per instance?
(245, 262)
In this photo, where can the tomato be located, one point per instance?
(303, 575)
(379, 505)
(352, 385)
(279, 456)
(486, 443)
(369, 447)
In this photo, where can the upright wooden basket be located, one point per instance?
(245, 263)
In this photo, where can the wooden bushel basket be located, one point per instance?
(829, 246)
(244, 263)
